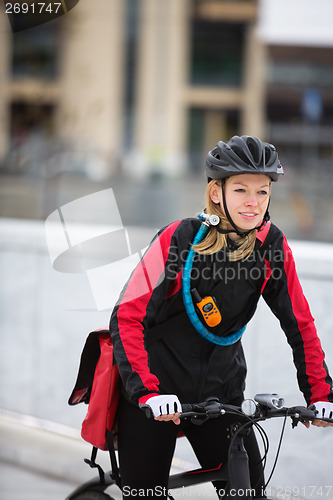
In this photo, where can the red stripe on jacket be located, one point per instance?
(313, 353)
(138, 293)
(263, 232)
(268, 273)
(261, 236)
(175, 286)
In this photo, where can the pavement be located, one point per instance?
(37, 463)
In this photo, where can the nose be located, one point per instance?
(251, 201)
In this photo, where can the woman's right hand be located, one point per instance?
(164, 407)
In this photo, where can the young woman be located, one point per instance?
(162, 358)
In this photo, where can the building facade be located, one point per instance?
(154, 84)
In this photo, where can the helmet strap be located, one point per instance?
(228, 216)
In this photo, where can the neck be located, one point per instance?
(234, 236)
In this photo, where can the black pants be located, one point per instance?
(146, 449)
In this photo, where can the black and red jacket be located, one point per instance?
(157, 349)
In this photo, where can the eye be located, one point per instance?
(263, 192)
(239, 190)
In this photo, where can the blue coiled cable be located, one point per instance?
(187, 297)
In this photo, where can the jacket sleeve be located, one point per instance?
(283, 293)
(135, 311)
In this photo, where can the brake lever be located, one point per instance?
(200, 413)
(300, 414)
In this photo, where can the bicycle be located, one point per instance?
(235, 472)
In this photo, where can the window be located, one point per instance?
(35, 52)
(197, 135)
(27, 119)
(216, 53)
(300, 73)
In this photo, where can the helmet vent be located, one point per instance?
(254, 150)
(268, 154)
(240, 154)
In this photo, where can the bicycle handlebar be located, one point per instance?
(255, 410)
(213, 409)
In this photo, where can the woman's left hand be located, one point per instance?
(323, 409)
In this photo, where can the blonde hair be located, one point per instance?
(215, 241)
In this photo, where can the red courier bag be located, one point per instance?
(98, 385)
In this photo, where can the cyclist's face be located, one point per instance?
(247, 197)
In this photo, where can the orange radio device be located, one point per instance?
(208, 308)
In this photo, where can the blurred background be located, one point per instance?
(128, 96)
(140, 90)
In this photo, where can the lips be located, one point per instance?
(249, 215)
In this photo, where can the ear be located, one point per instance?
(215, 193)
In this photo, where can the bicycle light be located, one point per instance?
(270, 400)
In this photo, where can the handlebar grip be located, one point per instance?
(329, 420)
(187, 408)
(317, 416)
(147, 410)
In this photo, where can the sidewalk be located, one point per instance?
(36, 464)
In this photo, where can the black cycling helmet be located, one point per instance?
(243, 155)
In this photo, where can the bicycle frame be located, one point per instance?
(180, 480)
(234, 471)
